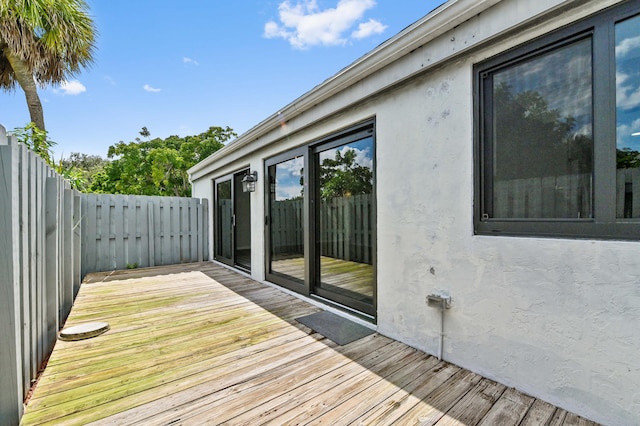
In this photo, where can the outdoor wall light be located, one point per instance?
(249, 182)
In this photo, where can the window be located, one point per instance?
(558, 133)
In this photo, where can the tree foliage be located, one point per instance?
(627, 158)
(85, 166)
(533, 140)
(38, 141)
(43, 42)
(157, 166)
(343, 176)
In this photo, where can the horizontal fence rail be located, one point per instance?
(130, 231)
(39, 267)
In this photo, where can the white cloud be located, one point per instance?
(110, 80)
(363, 156)
(73, 87)
(366, 29)
(287, 192)
(190, 61)
(150, 89)
(304, 24)
(625, 138)
(627, 45)
(627, 95)
(292, 167)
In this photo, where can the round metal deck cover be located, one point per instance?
(83, 331)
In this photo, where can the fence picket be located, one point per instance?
(51, 294)
(67, 240)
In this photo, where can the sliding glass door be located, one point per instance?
(321, 220)
(232, 222)
(224, 222)
(286, 227)
(344, 224)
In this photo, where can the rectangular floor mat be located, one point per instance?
(334, 327)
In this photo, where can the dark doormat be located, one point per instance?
(334, 327)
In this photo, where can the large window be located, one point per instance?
(558, 133)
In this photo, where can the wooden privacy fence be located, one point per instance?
(51, 236)
(39, 267)
(345, 227)
(127, 231)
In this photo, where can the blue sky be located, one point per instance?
(178, 68)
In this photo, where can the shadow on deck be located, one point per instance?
(199, 343)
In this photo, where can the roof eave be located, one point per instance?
(442, 19)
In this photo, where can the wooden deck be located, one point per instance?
(200, 344)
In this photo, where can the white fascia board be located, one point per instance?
(429, 28)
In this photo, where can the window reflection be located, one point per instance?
(224, 220)
(542, 136)
(628, 118)
(287, 222)
(346, 222)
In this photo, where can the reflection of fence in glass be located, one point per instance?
(567, 196)
(225, 228)
(287, 227)
(345, 224)
(628, 193)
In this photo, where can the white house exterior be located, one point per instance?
(457, 117)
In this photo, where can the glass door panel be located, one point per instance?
(242, 210)
(232, 222)
(224, 222)
(628, 119)
(344, 248)
(286, 225)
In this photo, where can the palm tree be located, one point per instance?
(43, 42)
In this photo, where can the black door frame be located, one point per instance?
(231, 261)
(311, 228)
(344, 138)
(275, 277)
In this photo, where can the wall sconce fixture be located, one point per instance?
(249, 182)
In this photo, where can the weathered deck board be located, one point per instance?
(200, 344)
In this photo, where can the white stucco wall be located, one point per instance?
(556, 318)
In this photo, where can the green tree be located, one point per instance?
(37, 140)
(533, 140)
(627, 158)
(343, 176)
(85, 166)
(157, 166)
(43, 42)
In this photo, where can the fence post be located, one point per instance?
(204, 229)
(11, 357)
(52, 297)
